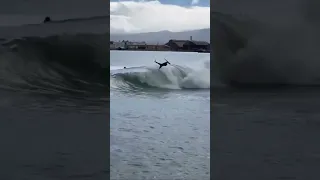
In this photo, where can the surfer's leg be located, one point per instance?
(160, 66)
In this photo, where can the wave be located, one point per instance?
(251, 52)
(105, 19)
(169, 77)
(88, 25)
(75, 63)
(66, 56)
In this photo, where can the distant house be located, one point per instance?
(117, 45)
(188, 45)
(176, 45)
(152, 47)
(197, 45)
(136, 45)
(157, 47)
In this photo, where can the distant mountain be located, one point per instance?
(162, 37)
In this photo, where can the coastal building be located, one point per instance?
(188, 45)
(136, 45)
(172, 45)
(117, 45)
(157, 47)
(197, 46)
(176, 45)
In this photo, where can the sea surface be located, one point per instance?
(265, 120)
(160, 119)
(266, 133)
(54, 106)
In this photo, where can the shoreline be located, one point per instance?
(156, 50)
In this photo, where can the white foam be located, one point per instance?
(170, 77)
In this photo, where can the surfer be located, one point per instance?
(162, 64)
(47, 19)
(124, 67)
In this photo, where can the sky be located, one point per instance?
(178, 2)
(128, 16)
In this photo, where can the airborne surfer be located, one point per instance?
(162, 64)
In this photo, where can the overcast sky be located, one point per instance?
(151, 16)
(178, 2)
(126, 15)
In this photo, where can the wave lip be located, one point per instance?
(170, 77)
(90, 25)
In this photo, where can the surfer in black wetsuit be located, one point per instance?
(47, 19)
(162, 64)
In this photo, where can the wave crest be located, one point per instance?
(170, 77)
(57, 63)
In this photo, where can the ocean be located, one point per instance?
(265, 133)
(265, 119)
(54, 102)
(160, 119)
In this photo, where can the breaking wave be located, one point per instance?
(62, 57)
(169, 77)
(56, 64)
(250, 52)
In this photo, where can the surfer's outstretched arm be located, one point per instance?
(157, 62)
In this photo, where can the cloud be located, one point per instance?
(194, 2)
(152, 16)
